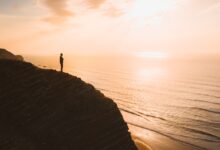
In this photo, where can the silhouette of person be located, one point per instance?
(61, 62)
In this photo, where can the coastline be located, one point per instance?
(140, 144)
(149, 140)
(146, 139)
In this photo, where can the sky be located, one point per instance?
(45, 27)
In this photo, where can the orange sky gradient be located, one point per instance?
(45, 27)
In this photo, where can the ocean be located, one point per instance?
(177, 98)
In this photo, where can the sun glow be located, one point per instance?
(150, 74)
(150, 11)
(158, 55)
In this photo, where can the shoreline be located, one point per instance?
(149, 140)
(140, 144)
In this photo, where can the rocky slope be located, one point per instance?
(48, 110)
(4, 54)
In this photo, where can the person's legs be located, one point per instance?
(61, 68)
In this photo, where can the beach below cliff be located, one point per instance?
(149, 140)
(146, 139)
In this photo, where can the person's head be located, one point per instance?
(61, 54)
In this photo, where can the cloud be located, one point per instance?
(201, 5)
(211, 8)
(95, 3)
(113, 12)
(55, 19)
(58, 7)
(109, 8)
(59, 11)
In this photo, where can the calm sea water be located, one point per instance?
(178, 98)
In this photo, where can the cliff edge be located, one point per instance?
(48, 110)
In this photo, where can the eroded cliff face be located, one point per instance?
(48, 110)
(4, 54)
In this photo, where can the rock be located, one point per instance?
(19, 57)
(4, 54)
(48, 110)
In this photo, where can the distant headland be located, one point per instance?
(5, 54)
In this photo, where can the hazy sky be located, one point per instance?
(110, 26)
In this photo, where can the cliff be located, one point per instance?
(48, 110)
(4, 54)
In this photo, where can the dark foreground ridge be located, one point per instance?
(48, 110)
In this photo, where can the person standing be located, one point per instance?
(61, 62)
